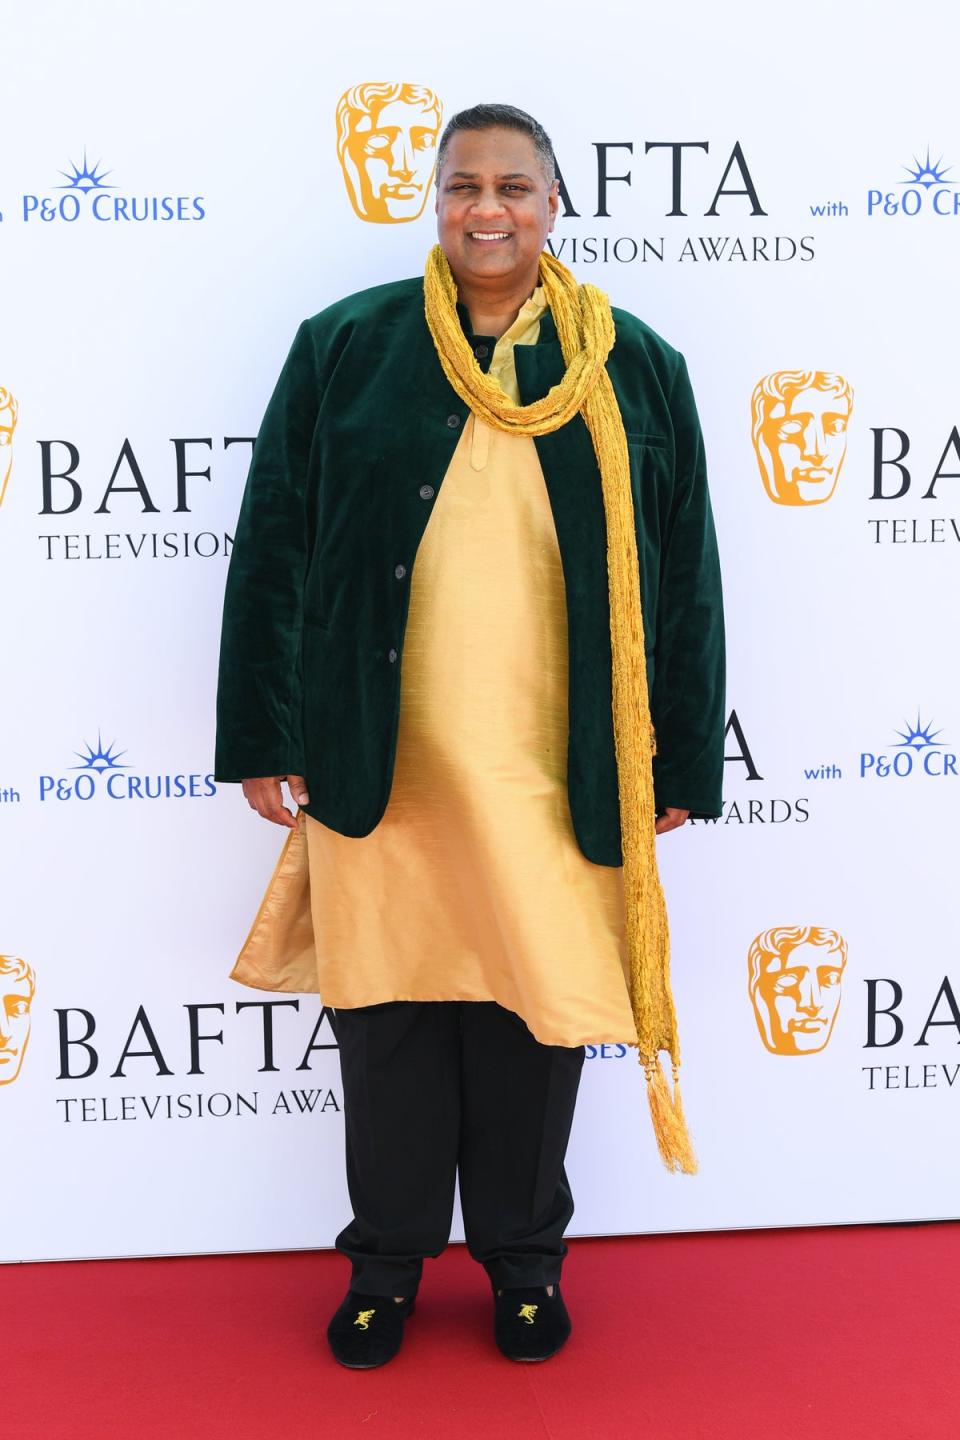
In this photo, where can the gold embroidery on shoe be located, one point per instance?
(363, 1318)
(528, 1313)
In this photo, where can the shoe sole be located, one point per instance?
(534, 1359)
(531, 1359)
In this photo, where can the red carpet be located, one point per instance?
(780, 1335)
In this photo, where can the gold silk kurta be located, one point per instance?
(472, 886)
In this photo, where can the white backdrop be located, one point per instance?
(125, 886)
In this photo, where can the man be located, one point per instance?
(16, 996)
(427, 634)
(795, 978)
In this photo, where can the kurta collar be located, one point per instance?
(547, 336)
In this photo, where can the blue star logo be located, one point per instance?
(927, 172)
(919, 736)
(86, 177)
(100, 759)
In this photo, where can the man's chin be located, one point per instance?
(474, 259)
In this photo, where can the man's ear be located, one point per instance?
(553, 203)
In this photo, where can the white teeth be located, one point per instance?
(490, 234)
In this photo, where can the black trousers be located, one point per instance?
(432, 1087)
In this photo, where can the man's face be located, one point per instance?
(14, 1025)
(8, 423)
(797, 998)
(393, 150)
(806, 438)
(495, 206)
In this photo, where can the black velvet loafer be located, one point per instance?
(367, 1330)
(530, 1324)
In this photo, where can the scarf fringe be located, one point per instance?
(586, 333)
(669, 1121)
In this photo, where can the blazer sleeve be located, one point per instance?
(688, 701)
(259, 694)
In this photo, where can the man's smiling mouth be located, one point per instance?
(487, 236)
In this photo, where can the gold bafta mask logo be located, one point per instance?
(800, 420)
(8, 423)
(17, 984)
(387, 146)
(795, 977)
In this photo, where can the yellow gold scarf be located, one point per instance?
(586, 333)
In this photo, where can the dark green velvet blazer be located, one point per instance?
(348, 464)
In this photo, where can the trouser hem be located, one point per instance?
(519, 1272)
(375, 1275)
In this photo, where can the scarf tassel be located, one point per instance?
(669, 1122)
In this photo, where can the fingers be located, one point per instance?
(671, 820)
(265, 796)
(298, 789)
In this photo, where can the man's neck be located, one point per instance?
(493, 308)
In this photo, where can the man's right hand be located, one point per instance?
(266, 797)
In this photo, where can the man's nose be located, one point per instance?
(488, 202)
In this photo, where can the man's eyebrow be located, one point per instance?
(472, 175)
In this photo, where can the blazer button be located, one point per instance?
(481, 352)
(427, 492)
(453, 422)
(392, 657)
(400, 571)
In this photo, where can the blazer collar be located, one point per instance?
(539, 366)
(548, 328)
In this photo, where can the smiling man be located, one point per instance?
(475, 570)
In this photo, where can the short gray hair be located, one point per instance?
(500, 117)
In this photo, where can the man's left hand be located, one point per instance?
(671, 820)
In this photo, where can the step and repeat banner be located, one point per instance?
(179, 187)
